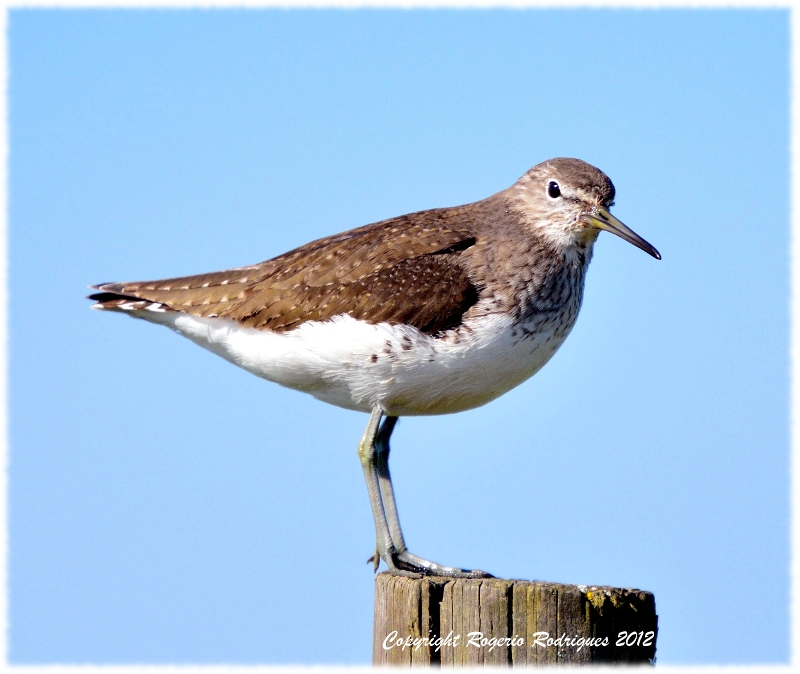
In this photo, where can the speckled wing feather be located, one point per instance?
(404, 270)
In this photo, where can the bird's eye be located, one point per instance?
(553, 190)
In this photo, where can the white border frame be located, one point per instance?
(6, 5)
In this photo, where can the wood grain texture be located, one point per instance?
(476, 622)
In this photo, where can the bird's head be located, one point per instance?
(567, 200)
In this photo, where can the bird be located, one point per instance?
(434, 312)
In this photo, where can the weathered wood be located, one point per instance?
(460, 622)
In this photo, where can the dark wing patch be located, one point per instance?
(430, 293)
(404, 270)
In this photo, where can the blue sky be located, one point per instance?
(166, 507)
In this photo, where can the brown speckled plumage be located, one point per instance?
(425, 269)
(403, 270)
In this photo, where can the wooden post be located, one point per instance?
(465, 622)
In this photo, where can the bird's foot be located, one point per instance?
(406, 564)
(392, 567)
(375, 560)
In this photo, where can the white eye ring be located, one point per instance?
(553, 190)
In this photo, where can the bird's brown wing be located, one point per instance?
(404, 270)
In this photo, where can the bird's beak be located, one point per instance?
(602, 219)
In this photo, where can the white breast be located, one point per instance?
(356, 365)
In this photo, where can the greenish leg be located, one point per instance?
(384, 548)
(391, 547)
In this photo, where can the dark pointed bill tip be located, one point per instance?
(602, 219)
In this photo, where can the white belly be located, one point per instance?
(357, 365)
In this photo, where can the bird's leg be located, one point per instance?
(385, 482)
(368, 457)
(401, 557)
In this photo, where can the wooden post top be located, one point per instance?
(468, 622)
